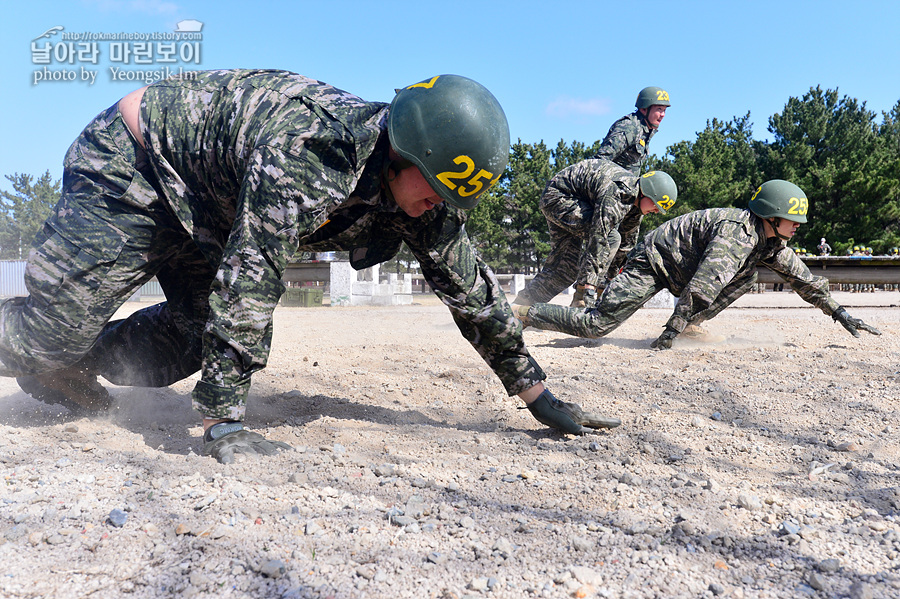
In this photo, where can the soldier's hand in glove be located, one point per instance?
(590, 297)
(226, 439)
(567, 417)
(664, 341)
(854, 325)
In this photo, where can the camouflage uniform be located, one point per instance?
(628, 142)
(585, 205)
(707, 259)
(242, 170)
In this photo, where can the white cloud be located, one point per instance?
(567, 107)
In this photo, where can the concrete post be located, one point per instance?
(516, 285)
(342, 278)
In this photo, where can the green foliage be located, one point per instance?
(717, 170)
(567, 155)
(507, 226)
(833, 150)
(404, 262)
(23, 212)
(885, 180)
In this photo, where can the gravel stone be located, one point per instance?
(861, 590)
(273, 568)
(830, 565)
(117, 518)
(393, 495)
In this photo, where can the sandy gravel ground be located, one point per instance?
(765, 465)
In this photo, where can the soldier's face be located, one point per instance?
(655, 114)
(413, 194)
(787, 228)
(647, 205)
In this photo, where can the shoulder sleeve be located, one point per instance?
(281, 195)
(723, 258)
(604, 237)
(813, 289)
(619, 138)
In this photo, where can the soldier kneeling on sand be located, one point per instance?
(211, 182)
(707, 259)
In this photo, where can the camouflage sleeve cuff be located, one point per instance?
(516, 382)
(594, 279)
(677, 323)
(213, 401)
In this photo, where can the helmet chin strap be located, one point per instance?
(775, 222)
(392, 165)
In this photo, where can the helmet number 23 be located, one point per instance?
(475, 184)
(798, 206)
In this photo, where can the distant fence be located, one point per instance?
(12, 278)
(876, 270)
(12, 282)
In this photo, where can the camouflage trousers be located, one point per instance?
(569, 221)
(110, 233)
(632, 288)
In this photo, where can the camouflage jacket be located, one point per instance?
(260, 164)
(611, 191)
(629, 229)
(628, 142)
(699, 253)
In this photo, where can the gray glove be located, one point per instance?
(664, 341)
(590, 297)
(567, 417)
(854, 325)
(223, 440)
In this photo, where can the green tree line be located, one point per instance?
(841, 154)
(23, 212)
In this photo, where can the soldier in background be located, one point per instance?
(628, 141)
(707, 259)
(590, 207)
(867, 287)
(211, 182)
(823, 247)
(894, 252)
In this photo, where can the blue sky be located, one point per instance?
(562, 69)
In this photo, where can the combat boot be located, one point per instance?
(73, 388)
(578, 297)
(697, 333)
(521, 313)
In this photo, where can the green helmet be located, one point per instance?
(780, 199)
(659, 187)
(652, 96)
(454, 130)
